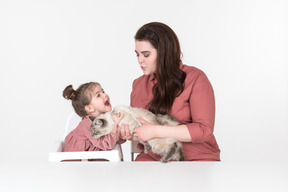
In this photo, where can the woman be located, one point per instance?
(169, 87)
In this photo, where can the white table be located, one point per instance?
(144, 176)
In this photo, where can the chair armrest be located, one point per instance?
(111, 155)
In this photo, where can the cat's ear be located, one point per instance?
(91, 118)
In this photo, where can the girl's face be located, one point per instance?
(147, 56)
(100, 102)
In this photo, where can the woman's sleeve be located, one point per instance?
(132, 95)
(202, 106)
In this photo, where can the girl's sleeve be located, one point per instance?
(71, 143)
(202, 106)
(107, 142)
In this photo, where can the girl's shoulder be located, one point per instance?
(84, 120)
(84, 124)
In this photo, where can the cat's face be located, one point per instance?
(101, 125)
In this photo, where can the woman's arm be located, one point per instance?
(148, 131)
(202, 108)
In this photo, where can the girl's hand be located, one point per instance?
(145, 132)
(116, 118)
(125, 132)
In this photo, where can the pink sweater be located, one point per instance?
(80, 139)
(195, 108)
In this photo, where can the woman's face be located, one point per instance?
(147, 56)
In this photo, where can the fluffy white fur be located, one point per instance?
(168, 148)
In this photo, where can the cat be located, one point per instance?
(168, 148)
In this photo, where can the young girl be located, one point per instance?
(89, 100)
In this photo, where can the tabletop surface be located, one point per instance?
(144, 176)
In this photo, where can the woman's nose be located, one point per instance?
(140, 59)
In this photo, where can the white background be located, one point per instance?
(242, 46)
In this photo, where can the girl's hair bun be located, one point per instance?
(69, 93)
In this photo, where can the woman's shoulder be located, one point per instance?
(193, 73)
(142, 80)
(192, 70)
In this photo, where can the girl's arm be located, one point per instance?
(107, 142)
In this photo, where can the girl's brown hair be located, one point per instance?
(80, 97)
(170, 78)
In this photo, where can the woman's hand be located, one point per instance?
(125, 132)
(145, 132)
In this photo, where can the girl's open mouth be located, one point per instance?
(107, 103)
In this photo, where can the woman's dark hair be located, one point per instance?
(80, 97)
(170, 78)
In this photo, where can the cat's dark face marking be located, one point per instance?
(99, 126)
(96, 125)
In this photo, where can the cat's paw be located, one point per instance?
(164, 160)
(146, 151)
(147, 148)
(117, 114)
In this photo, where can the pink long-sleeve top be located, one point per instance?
(194, 107)
(80, 139)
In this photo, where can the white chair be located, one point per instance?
(134, 149)
(58, 156)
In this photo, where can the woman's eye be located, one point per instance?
(146, 55)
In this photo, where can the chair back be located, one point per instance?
(134, 149)
(72, 122)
